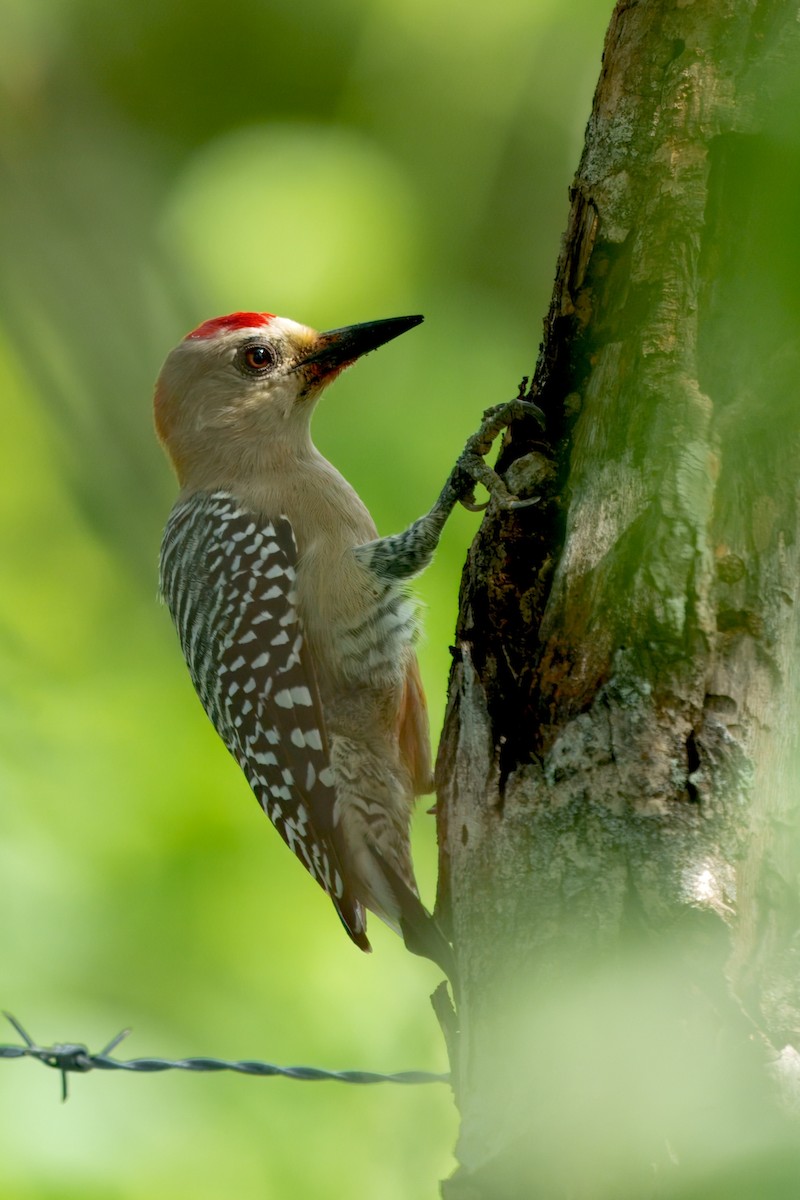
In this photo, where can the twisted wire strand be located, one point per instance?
(73, 1057)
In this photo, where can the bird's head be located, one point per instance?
(251, 380)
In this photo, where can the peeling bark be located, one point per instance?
(617, 815)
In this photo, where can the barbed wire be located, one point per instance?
(75, 1058)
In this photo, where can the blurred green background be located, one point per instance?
(162, 162)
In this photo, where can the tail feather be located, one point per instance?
(421, 932)
(354, 919)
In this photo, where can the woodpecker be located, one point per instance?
(294, 616)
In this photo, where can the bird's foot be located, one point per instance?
(471, 466)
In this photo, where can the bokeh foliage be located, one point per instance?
(162, 162)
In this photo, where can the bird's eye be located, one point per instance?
(257, 359)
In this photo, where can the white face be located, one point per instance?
(231, 381)
(239, 370)
(244, 387)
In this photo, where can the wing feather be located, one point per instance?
(228, 578)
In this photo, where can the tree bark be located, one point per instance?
(617, 813)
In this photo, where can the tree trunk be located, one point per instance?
(617, 816)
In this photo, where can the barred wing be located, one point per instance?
(228, 578)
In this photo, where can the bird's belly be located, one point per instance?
(372, 647)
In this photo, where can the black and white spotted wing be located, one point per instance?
(228, 578)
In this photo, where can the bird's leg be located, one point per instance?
(403, 555)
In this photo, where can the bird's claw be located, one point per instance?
(471, 467)
(500, 415)
(471, 504)
(475, 470)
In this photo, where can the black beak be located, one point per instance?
(338, 347)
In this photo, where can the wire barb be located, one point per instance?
(72, 1057)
